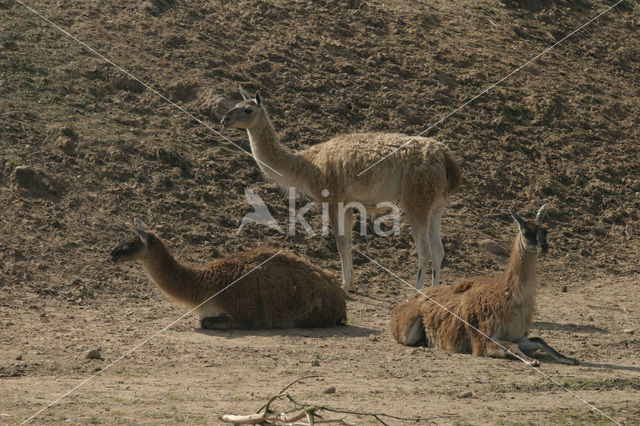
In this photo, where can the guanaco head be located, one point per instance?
(136, 249)
(533, 235)
(245, 114)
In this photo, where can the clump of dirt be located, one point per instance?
(157, 7)
(27, 180)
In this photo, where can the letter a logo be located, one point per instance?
(260, 213)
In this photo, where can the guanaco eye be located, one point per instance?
(248, 110)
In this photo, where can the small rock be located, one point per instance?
(549, 37)
(564, 289)
(19, 358)
(330, 389)
(466, 394)
(315, 363)
(94, 354)
(373, 338)
(589, 317)
(629, 331)
(492, 247)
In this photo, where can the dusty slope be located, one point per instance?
(562, 131)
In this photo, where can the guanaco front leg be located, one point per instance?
(342, 228)
(504, 349)
(221, 322)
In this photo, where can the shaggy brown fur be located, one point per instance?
(284, 292)
(501, 308)
(421, 175)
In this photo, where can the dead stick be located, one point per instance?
(287, 418)
(268, 404)
(282, 391)
(251, 419)
(335, 421)
(309, 411)
(375, 415)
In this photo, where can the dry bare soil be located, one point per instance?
(562, 131)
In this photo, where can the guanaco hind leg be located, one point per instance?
(435, 243)
(414, 334)
(536, 343)
(421, 239)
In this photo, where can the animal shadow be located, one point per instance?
(609, 366)
(316, 333)
(574, 328)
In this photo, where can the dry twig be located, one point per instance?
(302, 410)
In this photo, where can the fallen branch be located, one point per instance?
(281, 418)
(265, 407)
(374, 415)
(251, 419)
(303, 410)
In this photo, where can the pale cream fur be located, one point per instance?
(421, 175)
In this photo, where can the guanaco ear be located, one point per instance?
(244, 94)
(517, 218)
(140, 228)
(257, 98)
(541, 214)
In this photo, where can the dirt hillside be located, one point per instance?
(84, 148)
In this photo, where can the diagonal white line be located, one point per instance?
(489, 88)
(156, 92)
(538, 370)
(130, 351)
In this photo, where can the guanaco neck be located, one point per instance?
(179, 280)
(520, 275)
(286, 168)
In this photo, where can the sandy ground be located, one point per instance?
(193, 376)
